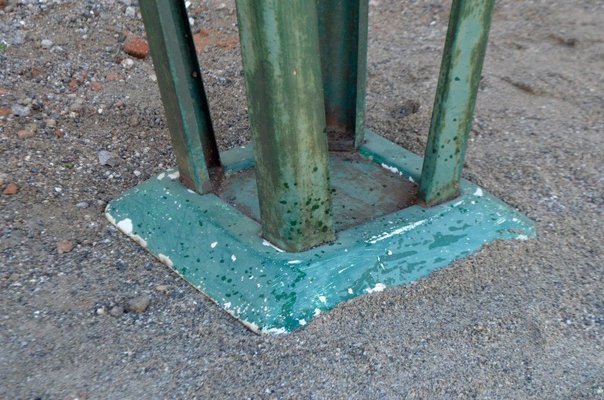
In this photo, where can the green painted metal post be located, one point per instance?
(280, 50)
(461, 67)
(182, 92)
(343, 43)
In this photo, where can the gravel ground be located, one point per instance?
(87, 314)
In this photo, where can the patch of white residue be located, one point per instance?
(350, 291)
(411, 179)
(500, 221)
(190, 191)
(138, 239)
(379, 287)
(460, 202)
(395, 232)
(165, 259)
(269, 244)
(323, 299)
(174, 175)
(478, 192)
(391, 169)
(125, 226)
(161, 176)
(302, 322)
(275, 331)
(317, 312)
(213, 244)
(389, 252)
(227, 305)
(295, 262)
(522, 237)
(233, 258)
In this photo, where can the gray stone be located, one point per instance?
(138, 304)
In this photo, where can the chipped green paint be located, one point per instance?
(343, 44)
(182, 92)
(218, 249)
(279, 46)
(461, 67)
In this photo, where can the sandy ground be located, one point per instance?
(518, 320)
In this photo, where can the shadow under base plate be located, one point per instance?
(383, 239)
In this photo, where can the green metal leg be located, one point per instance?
(463, 57)
(279, 44)
(182, 92)
(343, 43)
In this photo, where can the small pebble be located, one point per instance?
(163, 289)
(127, 63)
(108, 158)
(51, 123)
(25, 134)
(11, 189)
(138, 304)
(64, 246)
(117, 311)
(82, 204)
(46, 44)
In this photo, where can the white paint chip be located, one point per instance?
(379, 287)
(174, 175)
(125, 226)
(317, 312)
(478, 192)
(295, 262)
(350, 291)
(161, 176)
(269, 244)
(214, 244)
(391, 169)
(386, 235)
(166, 260)
(233, 258)
(302, 322)
(323, 299)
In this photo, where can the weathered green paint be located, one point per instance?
(461, 67)
(343, 44)
(279, 46)
(182, 92)
(218, 249)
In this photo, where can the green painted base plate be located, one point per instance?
(218, 248)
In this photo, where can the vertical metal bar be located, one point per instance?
(280, 50)
(343, 44)
(182, 92)
(461, 67)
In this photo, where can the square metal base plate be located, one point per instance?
(382, 239)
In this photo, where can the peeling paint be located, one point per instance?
(174, 175)
(322, 299)
(269, 244)
(478, 192)
(213, 244)
(125, 226)
(165, 259)
(350, 291)
(379, 287)
(386, 235)
(317, 312)
(391, 169)
(110, 218)
(161, 176)
(302, 322)
(295, 262)
(233, 258)
(275, 331)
